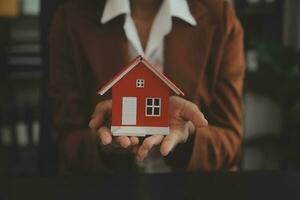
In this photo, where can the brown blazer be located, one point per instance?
(206, 61)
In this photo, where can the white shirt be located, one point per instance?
(162, 25)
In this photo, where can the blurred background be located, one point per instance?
(272, 86)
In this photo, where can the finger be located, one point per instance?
(134, 140)
(147, 145)
(124, 141)
(192, 113)
(105, 135)
(135, 149)
(102, 109)
(170, 141)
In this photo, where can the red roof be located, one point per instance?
(133, 64)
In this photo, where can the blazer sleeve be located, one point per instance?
(217, 146)
(77, 148)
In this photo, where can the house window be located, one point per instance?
(140, 83)
(153, 106)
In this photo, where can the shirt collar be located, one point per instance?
(177, 8)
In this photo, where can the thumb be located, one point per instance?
(102, 110)
(191, 112)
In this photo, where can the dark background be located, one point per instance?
(272, 86)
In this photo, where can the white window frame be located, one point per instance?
(152, 107)
(140, 83)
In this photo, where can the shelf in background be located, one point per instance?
(274, 84)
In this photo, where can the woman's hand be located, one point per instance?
(184, 118)
(102, 117)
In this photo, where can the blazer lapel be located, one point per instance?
(187, 50)
(107, 50)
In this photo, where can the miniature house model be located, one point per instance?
(140, 100)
